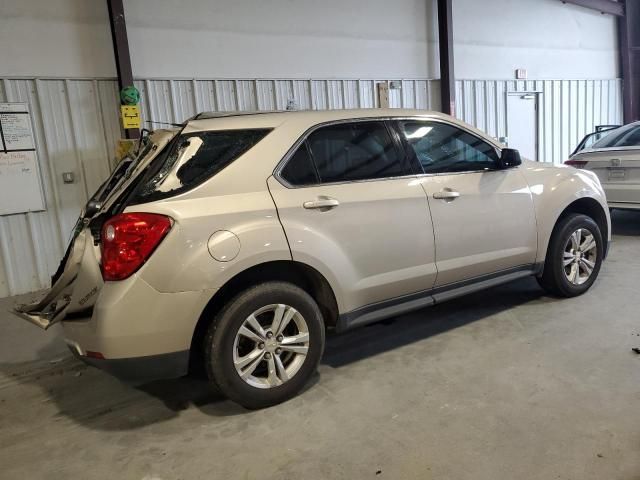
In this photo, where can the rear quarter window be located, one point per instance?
(627, 136)
(192, 159)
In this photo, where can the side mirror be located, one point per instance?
(510, 158)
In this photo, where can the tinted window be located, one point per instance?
(442, 148)
(355, 151)
(627, 136)
(193, 158)
(300, 170)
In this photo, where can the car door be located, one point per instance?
(483, 216)
(353, 209)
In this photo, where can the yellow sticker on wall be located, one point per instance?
(130, 116)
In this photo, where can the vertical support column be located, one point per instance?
(447, 77)
(629, 46)
(121, 51)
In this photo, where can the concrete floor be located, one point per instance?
(504, 384)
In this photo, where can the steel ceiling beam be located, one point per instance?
(628, 13)
(629, 46)
(121, 51)
(603, 6)
(447, 76)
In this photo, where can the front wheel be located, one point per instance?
(265, 344)
(574, 256)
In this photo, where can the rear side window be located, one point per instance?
(193, 158)
(300, 170)
(627, 136)
(355, 151)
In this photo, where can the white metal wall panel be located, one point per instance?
(76, 125)
(71, 131)
(567, 109)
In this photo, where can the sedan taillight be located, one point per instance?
(576, 163)
(128, 240)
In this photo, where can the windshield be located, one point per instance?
(193, 158)
(591, 138)
(627, 136)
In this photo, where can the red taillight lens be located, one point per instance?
(96, 355)
(576, 163)
(128, 240)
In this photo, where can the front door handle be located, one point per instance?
(321, 203)
(446, 194)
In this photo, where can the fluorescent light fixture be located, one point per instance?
(421, 132)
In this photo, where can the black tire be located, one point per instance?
(554, 280)
(221, 335)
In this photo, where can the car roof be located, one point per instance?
(273, 119)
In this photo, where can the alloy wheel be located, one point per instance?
(270, 346)
(579, 256)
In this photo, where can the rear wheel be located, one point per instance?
(265, 344)
(574, 256)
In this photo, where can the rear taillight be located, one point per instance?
(128, 240)
(576, 163)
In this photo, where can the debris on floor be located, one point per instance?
(636, 350)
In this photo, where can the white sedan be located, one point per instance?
(615, 158)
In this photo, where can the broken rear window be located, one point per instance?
(193, 158)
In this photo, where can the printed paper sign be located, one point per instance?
(20, 188)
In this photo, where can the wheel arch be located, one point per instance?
(591, 208)
(586, 206)
(300, 274)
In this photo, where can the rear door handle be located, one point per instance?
(321, 203)
(446, 194)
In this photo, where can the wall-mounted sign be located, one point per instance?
(20, 186)
(130, 116)
(521, 74)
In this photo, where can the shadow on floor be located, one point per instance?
(422, 324)
(625, 223)
(96, 400)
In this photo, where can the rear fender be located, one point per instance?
(213, 239)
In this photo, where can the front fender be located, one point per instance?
(556, 189)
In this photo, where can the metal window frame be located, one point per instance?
(303, 138)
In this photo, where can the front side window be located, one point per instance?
(355, 151)
(193, 158)
(443, 148)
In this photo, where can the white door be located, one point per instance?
(522, 124)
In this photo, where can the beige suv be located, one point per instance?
(233, 242)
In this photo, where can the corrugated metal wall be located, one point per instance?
(567, 109)
(76, 126)
(175, 100)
